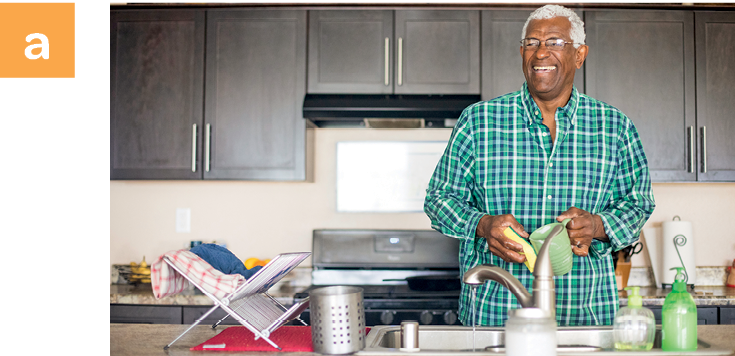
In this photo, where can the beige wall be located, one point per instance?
(262, 219)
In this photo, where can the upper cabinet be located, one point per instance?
(350, 52)
(255, 87)
(361, 52)
(245, 125)
(642, 62)
(715, 53)
(218, 93)
(156, 94)
(502, 73)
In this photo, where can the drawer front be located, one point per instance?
(192, 313)
(705, 315)
(727, 315)
(145, 314)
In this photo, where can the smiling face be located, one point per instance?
(549, 73)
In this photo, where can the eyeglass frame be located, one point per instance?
(551, 48)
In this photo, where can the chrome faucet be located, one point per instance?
(544, 294)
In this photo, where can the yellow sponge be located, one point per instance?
(527, 248)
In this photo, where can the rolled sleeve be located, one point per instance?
(632, 199)
(449, 194)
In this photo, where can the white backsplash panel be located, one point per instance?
(385, 176)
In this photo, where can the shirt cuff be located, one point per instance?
(600, 249)
(471, 229)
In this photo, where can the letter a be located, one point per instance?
(43, 45)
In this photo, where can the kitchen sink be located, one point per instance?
(458, 340)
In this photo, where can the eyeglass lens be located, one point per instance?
(551, 43)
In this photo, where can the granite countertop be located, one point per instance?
(703, 295)
(143, 294)
(149, 339)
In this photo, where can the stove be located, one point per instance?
(380, 261)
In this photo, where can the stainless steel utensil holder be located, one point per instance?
(337, 320)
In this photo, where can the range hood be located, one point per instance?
(368, 110)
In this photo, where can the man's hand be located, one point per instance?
(582, 229)
(491, 228)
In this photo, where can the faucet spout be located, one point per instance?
(480, 274)
(544, 294)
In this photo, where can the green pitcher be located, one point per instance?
(560, 251)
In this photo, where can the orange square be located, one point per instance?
(37, 40)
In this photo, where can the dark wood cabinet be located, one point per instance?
(255, 86)
(642, 62)
(156, 94)
(715, 50)
(350, 52)
(188, 314)
(145, 314)
(244, 124)
(727, 315)
(193, 313)
(501, 57)
(362, 52)
(705, 315)
(438, 52)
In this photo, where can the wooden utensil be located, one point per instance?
(622, 269)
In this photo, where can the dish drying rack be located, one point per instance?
(250, 304)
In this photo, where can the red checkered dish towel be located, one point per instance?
(166, 281)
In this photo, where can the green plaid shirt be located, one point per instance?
(500, 160)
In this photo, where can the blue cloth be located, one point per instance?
(223, 260)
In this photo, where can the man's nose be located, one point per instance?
(542, 51)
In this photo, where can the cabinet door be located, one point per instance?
(727, 315)
(502, 73)
(350, 52)
(437, 52)
(642, 62)
(193, 313)
(145, 314)
(705, 315)
(156, 94)
(256, 68)
(715, 33)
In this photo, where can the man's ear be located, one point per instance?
(580, 55)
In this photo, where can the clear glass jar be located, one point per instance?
(634, 329)
(530, 331)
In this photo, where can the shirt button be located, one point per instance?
(549, 196)
(544, 134)
(551, 164)
(536, 112)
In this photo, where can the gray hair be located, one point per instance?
(550, 11)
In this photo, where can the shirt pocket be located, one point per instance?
(596, 172)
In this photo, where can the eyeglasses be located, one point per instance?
(552, 44)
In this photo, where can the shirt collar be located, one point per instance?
(533, 114)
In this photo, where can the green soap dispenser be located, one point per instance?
(635, 326)
(679, 318)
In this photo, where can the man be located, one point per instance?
(537, 156)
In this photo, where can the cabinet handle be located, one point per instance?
(400, 61)
(207, 136)
(704, 149)
(690, 132)
(387, 61)
(194, 147)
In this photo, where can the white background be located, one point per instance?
(54, 200)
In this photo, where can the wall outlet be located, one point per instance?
(183, 220)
